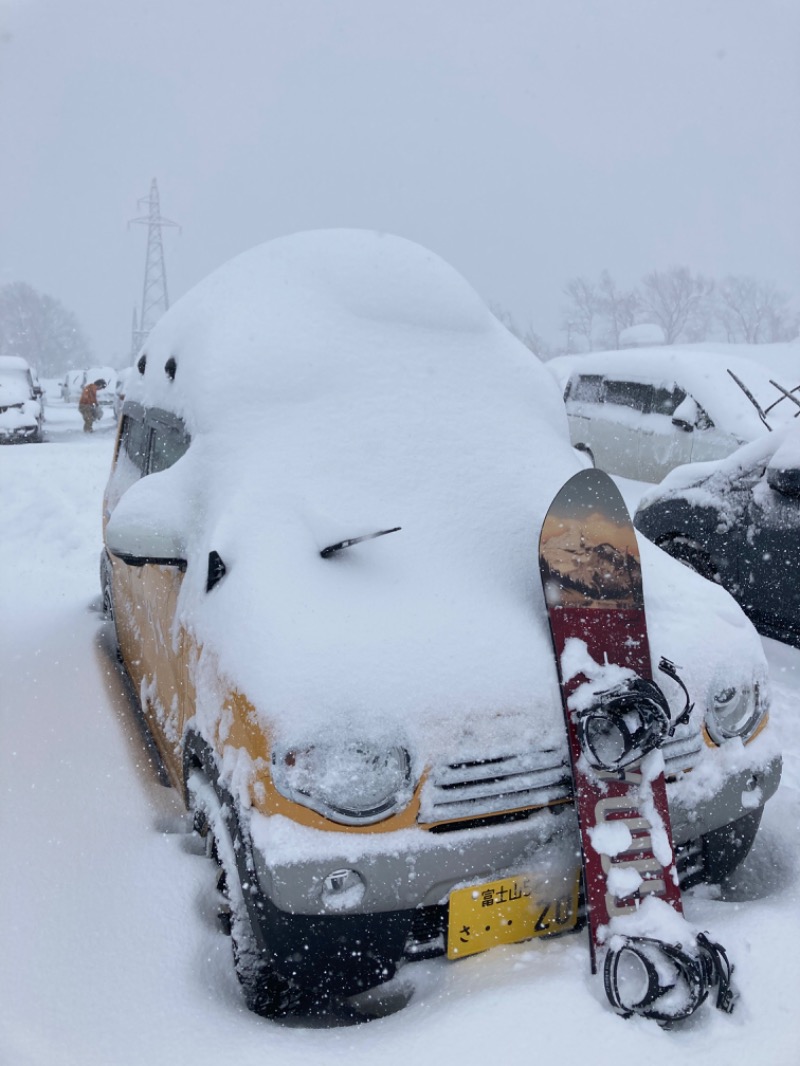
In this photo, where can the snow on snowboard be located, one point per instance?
(654, 964)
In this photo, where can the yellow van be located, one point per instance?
(320, 560)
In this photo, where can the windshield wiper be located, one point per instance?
(326, 553)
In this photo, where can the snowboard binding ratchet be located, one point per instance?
(628, 721)
(666, 982)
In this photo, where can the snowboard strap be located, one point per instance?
(665, 982)
(628, 721)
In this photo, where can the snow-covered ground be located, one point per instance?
(109, 950)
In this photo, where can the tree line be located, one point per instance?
(42, 330)
(687, 307)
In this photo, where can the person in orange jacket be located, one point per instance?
(89, 406)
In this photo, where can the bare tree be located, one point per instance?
(618, 306)
(537, 344)
(40, 329)
(581, 313)
(529, 337)
(678, 301)
(504, 316)
(754, 312)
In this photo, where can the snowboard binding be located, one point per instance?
(665, 982)
(628, 721)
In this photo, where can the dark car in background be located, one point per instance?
(736, 521)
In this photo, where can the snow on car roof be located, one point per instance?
(702, 371)
(642, 334)
(781, 358)
(338, 383)
(13, 362)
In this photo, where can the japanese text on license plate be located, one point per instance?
(506, 911)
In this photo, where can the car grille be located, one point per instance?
(483, 788)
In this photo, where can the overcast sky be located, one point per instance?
(525, 141)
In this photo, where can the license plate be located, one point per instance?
(507, 911)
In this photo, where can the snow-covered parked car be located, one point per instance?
(643, 412)
(326, 593)
(74, 382)
(21, 406)
(737, 522)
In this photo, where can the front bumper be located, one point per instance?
(419, 868)
(19, 434)
(407, 877)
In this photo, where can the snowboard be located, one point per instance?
(616, 718)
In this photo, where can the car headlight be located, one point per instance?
(734, 711)
(352, 783)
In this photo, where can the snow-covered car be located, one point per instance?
(74, 381)
(737, 522)
(326, 594)
(643, 412)
(21, 406)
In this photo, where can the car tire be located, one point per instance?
(690, 553)
(265, 991)
(725, 849)
(107, 609)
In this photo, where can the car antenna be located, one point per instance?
(752, 399)
(326, 553)
(786, 395)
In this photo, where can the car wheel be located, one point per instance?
(726, 849)
(108, 604)
(692, 555)
(265, 991)
(108, 615)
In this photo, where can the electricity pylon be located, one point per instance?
(155, 298)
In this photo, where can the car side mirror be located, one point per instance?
(786, 481)
(783, 469)
(149, 524)
(686, 415)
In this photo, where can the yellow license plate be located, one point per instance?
(504, 912)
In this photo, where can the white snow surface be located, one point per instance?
(781, 359)
(111, 955)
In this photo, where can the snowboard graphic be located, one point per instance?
(616, 717)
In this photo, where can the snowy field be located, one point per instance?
(109, 950)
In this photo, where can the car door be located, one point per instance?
(666, 442)
(583, 394)
(626, 450)
(162, 644)
(129, 465)
(160, 667)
